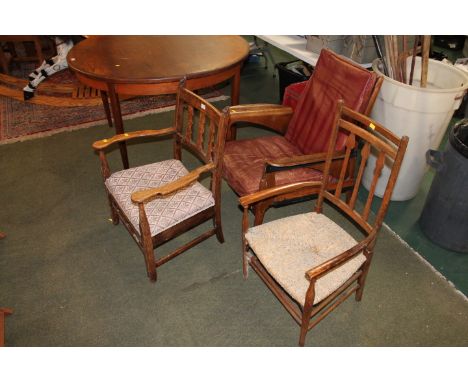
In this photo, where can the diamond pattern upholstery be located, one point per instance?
(289, 247)
(162, 213)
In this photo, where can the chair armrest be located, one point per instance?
(145, 196)
(267, 193)
(337, 261)
(287, 163)
(274, 117)
(104, 143)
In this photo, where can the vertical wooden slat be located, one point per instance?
(350, 143)
(201, 130)
(188, 132)
(211, 138)
(377, 171)
(364, 156)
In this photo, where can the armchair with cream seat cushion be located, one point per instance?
(309, 261)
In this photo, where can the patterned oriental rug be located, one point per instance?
(20, 120)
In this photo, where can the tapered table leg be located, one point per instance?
(235, 87)
(118, 122)
(105, 103)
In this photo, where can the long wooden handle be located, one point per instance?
(426, 46)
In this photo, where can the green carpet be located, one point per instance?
(74, 279)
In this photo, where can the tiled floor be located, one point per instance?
(402, 217)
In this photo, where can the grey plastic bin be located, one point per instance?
(444, 219)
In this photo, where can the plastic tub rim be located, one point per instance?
(375, 68)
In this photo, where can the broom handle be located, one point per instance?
(395, 58)
(415, 47)
(388, 56)
(426, 46)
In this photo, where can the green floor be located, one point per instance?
(402, 217)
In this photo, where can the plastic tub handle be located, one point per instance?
(435, 159)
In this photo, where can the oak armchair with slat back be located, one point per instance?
(159, 201)
(297, 152)
(309, 261)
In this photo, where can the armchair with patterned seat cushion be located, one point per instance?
(297, 153)
(159, 201)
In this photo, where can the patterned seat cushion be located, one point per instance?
(289, 247)
(162, 213)
(244, 162)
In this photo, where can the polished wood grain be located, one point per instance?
(153, 65)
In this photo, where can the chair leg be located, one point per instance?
(361, 282)
(362, 279)
(259, 212)
(307, 312)
(148, 252)
(218, 226)
(114, 214)
(245, 259)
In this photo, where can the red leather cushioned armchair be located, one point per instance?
(298, 152)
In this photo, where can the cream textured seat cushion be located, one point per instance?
(289, 247)
(162, 213)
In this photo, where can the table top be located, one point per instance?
(155, 59)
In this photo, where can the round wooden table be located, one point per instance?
(152, 65)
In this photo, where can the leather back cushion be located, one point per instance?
(334, 78)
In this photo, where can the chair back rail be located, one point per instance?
(387, 147)
(196, 127)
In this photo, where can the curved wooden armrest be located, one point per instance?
(104, 143)
(275, 117)
(267, 193)
(145, 196)
(299, 160)
(327, 266)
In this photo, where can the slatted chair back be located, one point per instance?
(198, 128)
(366, 136)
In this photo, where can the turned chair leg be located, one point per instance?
(218, 226)
(150, 265)
(114, 214)
(259, 212)
(361, 282)
(245, 261)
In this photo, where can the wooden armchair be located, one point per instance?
(298, 152)
(308, 261)
(3, 313)
(159, 201)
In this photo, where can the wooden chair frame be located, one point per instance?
(205, 141)
(277, 118)
(391, 148)
(4, 312)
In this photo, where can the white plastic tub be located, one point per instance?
(423, 114)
